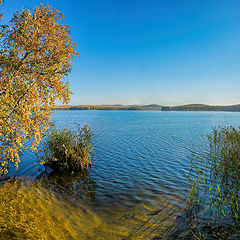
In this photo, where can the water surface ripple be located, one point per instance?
(140, 162)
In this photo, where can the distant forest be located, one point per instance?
(155, 107)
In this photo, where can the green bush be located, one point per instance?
(65, 149)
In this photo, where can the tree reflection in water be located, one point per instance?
(77, 185)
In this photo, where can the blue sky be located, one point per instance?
(168, 52)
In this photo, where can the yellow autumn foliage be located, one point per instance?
(35, 59)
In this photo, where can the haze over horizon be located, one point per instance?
(151, 51)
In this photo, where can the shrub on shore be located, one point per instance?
(65, 149)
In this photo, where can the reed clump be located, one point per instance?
(213, 201)
(65, 149)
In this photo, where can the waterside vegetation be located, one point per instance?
(35, 59)
(214, 202)
(66, 149)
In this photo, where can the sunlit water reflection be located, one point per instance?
(137, 186)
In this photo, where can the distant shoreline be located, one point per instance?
(155, 107)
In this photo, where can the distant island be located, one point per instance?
(155, 107)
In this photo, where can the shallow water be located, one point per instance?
(137, 186)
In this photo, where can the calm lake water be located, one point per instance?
(137, 185)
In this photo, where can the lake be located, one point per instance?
(137, 186)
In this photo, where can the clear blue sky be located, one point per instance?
(168, 52)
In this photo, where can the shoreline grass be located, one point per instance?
(213, 203)
(65, 149)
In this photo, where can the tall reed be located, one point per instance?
(213, 202)
(65, 149)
